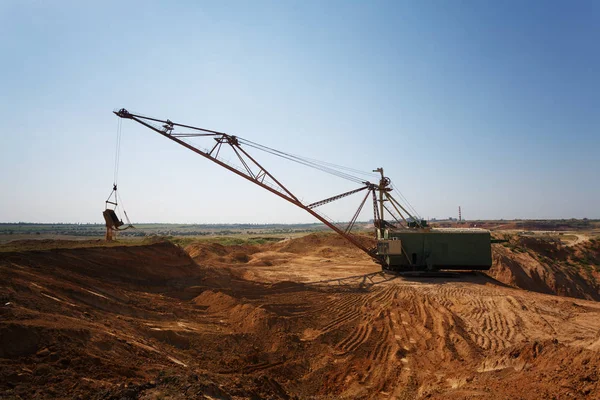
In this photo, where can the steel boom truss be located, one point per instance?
(254, 172)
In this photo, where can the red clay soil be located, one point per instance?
(151, 322)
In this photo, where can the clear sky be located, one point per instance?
(491, 105)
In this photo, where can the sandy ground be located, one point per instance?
(305, 318)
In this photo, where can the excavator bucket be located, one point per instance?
(112, 221)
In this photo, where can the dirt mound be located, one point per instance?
(243, 316)
(163, 262)
(316, 248)
(320, 241)
(322, 244)
(215, 253)
(47, 244)
(549, 267)
(325, 245)
(215, 301)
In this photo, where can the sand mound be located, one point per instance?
(322, 244)
(215, 253)
(319, 241)
(242, 316)
(46, 244)
(163, 262)
(215, 301)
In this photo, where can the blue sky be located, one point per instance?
(494, 106)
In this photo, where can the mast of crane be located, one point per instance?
(382, 191)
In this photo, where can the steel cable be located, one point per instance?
(117, 151)
(307, 163)
(405, 200)
(312, 160)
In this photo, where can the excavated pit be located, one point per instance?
(302, 318)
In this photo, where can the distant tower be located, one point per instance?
(459, 215)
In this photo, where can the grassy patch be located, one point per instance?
(222, 240)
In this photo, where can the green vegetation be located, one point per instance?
(225, 241)
(18, 237)
(9, 232)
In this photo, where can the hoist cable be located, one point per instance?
(307, 159)
(124, 212)
(299, 160)
(313, 160)
(118, 151)
(405, 200)
(320, 168)
(118, 198)
(307, 163)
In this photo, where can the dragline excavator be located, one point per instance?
(405, 242)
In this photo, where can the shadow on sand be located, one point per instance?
(367, 281)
